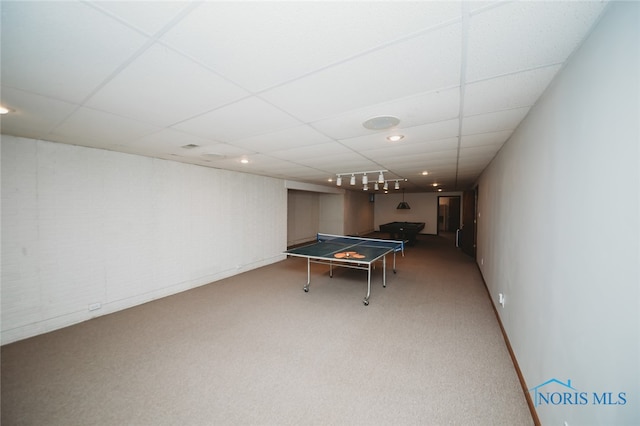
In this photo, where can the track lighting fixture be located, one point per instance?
(365, 180)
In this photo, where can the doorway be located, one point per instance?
(448, 216)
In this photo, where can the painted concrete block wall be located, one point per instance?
(303, 212)
(545, 240)
(331, 213)
(82, 226)
(358, 213)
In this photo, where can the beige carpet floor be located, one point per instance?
(255, 349)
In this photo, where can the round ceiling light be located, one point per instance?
(381, 123)
(395, 138)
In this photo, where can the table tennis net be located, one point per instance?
(397, 245)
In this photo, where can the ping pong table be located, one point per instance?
(349, 252)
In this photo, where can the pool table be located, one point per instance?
(403, 230)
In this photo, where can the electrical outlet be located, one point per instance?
(95, 306)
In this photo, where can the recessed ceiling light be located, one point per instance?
(425, 173)
(4, 110)
(244, 161)
(381, 123)
(395, 138)
(434, 184)
(190, 146)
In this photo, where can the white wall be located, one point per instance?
(358, 213)
(303, 213)
(83, 226)
(424, 208)
(545, 237)
(331, 214)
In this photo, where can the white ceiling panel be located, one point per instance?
(479, 139)
(89, 127)
(429, 107)
(62, 49)
(283, 139)
(507, 92)
(173, 141)
(325, 33)
(423, 162)
(287, 85)
(515, 35)
(468, 155)
(302, 153)
(414, 135)
(418, 150)
(399, 72)
(494, 121)
(163, 88)
(248, 117)
(34, 115)
(147, 19)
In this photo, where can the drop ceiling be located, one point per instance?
(287, 85)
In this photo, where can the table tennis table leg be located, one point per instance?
(306, 287)
(394, 262)
(384, 269)
(366, 299)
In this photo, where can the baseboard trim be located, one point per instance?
(523, 383)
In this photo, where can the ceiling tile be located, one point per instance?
(429, 107)
(493, 122)
(283, 139)
(507, 92)
(480, 139)
(262, 35)
(89, 127)
(523, 35)
(399, 72)
(150, 20)
(240, 120)
(413, 135)
(303, 153)
(33, 115)
(163, 88)
(416, 150)
(78, 47)
(171, 141)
